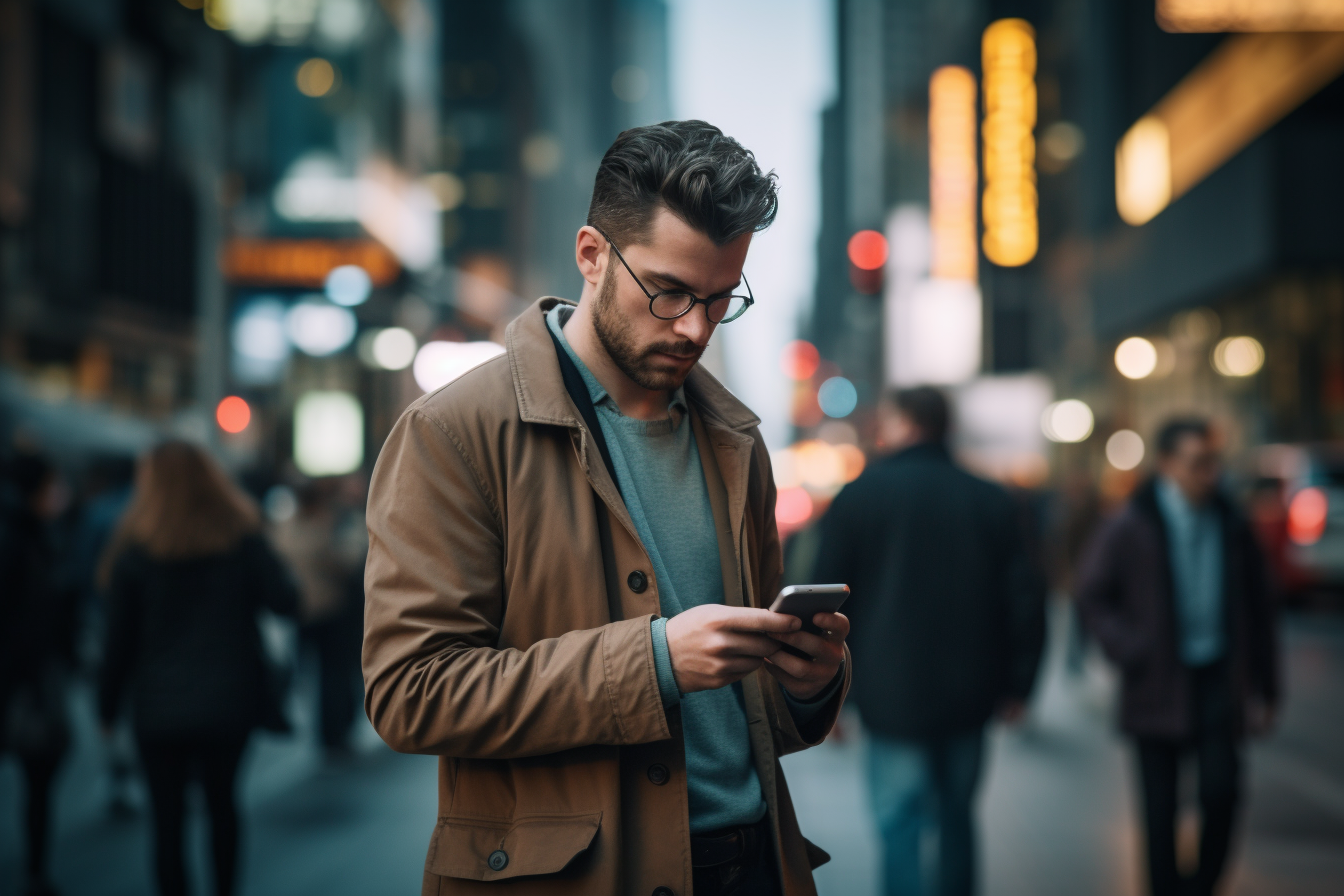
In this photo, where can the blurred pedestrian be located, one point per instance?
(186, 574)
(106, 492)
(948, 625)
(37, 638)
(1174, 588)
(316, 543)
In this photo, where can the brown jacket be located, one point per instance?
(497, 638)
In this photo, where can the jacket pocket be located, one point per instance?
(497, 849)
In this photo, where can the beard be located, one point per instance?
(639, 363)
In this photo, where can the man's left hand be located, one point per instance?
(806, 679)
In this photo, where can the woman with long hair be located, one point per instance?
(186, 574)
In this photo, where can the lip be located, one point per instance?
(679, 359)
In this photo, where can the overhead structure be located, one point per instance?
(1008, 59)
(1243, 88)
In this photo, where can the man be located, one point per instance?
(948, 622)
(569, 549)
(1174, 590)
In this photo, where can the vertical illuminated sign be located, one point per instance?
(952, 175)
(1008, 57)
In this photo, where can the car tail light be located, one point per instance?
(1306, 516)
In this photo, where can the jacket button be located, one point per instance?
(664, 891)
(498, 860)
(637, 581)
(658, 773)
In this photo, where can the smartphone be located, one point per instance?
(805, 601)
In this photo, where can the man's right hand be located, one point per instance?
(713, 645)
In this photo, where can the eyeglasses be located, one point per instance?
(671, 304)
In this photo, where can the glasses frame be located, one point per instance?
(747, 299)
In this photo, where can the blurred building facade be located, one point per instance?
(1253, 249)
(178, 178)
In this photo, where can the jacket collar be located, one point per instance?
(540, 389)
(1145, 501)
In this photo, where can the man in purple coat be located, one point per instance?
(1175, 590)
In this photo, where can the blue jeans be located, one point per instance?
(922, 787)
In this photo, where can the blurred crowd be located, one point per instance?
(187, 604)
(185, 600)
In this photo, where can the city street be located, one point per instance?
(1056, 810)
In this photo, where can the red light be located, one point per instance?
(793, 507)
(1307, 515)
(868, 250)
(799, 360)
(233, 414)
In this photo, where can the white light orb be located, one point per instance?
(439, 363)
(1067, 421)
(349, 285)
(1124, 449)
(259, 331)
(319, 328)
(1238, 356)
(328, 434)
(1136, 358)
(393, 348)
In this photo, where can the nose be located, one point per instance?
(695, 326)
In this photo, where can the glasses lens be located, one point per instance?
(727, 308)
(670, 305)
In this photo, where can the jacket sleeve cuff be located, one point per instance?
(662, 660)
(804, 711)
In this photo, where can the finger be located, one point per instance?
(752, 619)
(749, 644)
(835, 623)
(803, 671)
(814, 645)
(736, 669)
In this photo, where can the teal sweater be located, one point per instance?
(658, 471)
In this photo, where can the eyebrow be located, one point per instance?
(676, 284)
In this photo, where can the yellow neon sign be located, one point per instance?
(1008, 51)
(952, 175)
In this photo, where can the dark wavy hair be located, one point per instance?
(705, 178)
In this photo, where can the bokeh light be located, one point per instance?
(799, 360)
(868, 250)
(233, 414)
(793, 507)
(349, 285)
(1067, 421)
(393, 348)
(439, 363)
(328, 433)
(1124, 449)
(1136, 358)
(1238, 356)
(851, 456)
(315, 77)
(259, 331)
(319, 328)
(837, 397)
(1307, 516)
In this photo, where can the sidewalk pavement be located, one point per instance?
(1056, 810)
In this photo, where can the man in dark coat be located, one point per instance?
(1174, 589)
(948, 625)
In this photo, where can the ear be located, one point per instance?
(591, 254)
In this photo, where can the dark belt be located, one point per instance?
(729, 844)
